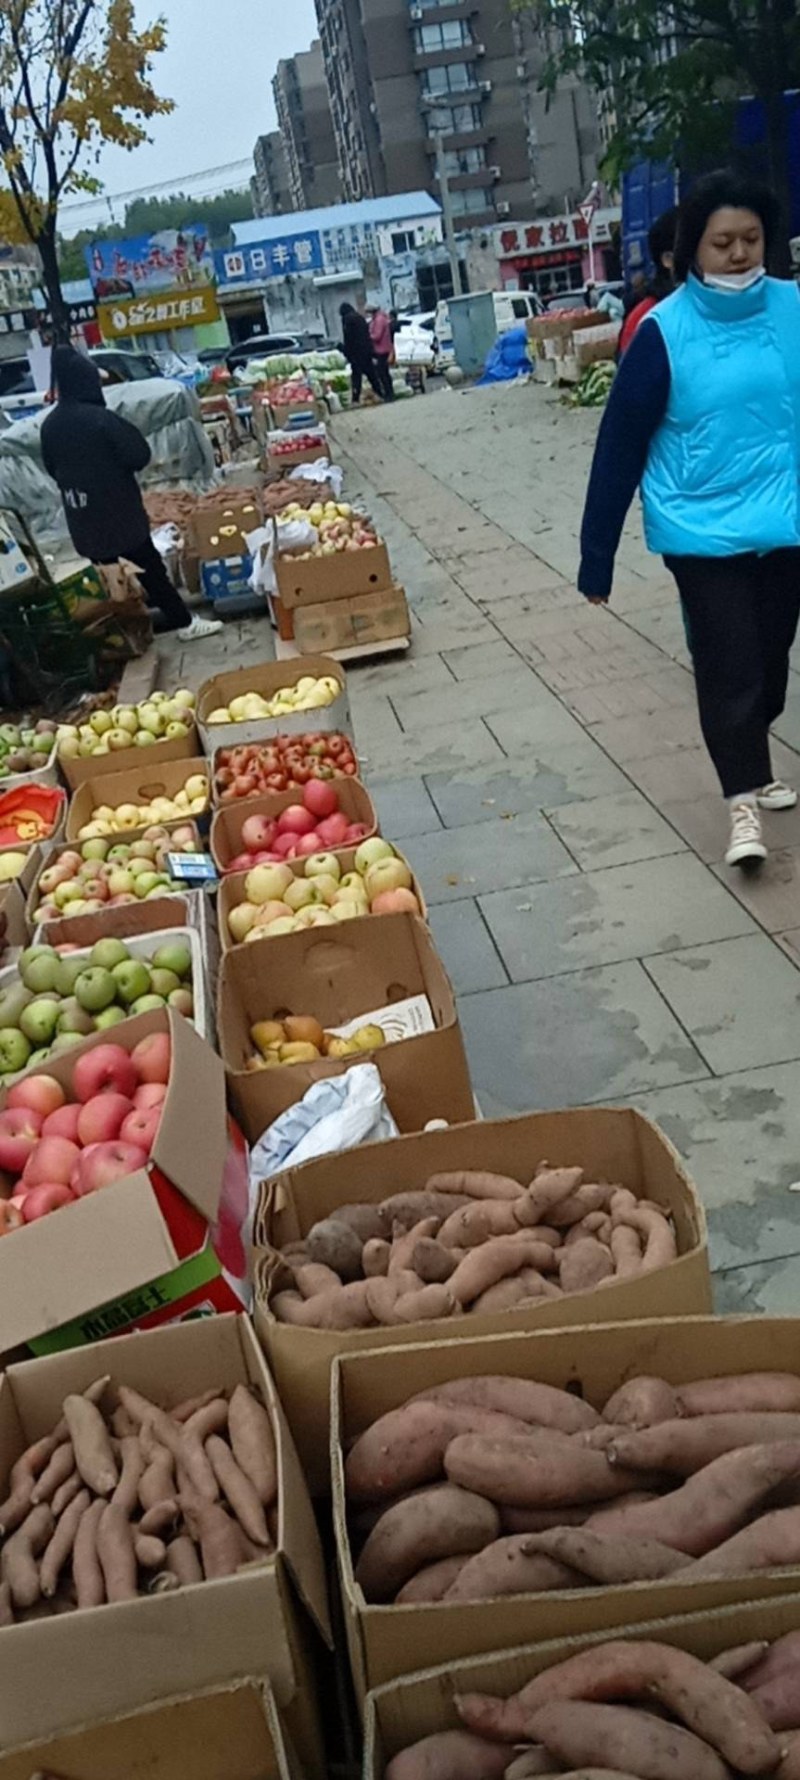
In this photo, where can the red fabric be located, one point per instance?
(632, 321)
(380, 329)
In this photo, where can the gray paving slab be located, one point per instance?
(772, 894)
(443, 748)
(669, 778)
(470, 956)
(614, 831)
(594, 1036)
(524, 725)
(414, 675)
(739, 999)
(476, 697)
(404, 807)
(647, 734)
(769, 1289)
(541, 779)
(601, 917)
(467, 664)
(483, 856)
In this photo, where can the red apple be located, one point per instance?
(357, 831)
(242, 862)
(320, 798)
(107, 1069)
(308, 844)
(395, 902)
(148, 1095)
(63, 1122)
(42, 1093)
(151, 1058)
(52, 1160)
(296, 820)
(332, 832)
(103, 1163)
(47, 1196)
(141, 1127)
(282, 844)
(258, 832)
(19, 1136)
(102, 1118)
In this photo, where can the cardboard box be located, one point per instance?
(226, 824)
(300, 413)
(420, 1705)
(113, 1660)
(98, 766)
(369, 618)
(313, 580)
(267, 677)
(221, 529)
(336, 974)
(384, 1641)
(137, 784)
(232, 891)
(143, 945)
(35, 897)
(12, 905)
(228, 578)
(617, 1144)
(212, 1735)
(144, 1244)
(288, 460)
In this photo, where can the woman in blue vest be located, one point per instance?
(704, 416)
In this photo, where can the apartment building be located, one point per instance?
(304, 115)
(562, 127)
(403, 72)
(269, 189)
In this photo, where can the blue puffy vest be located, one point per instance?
(723, 470)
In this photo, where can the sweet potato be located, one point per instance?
(435, 1523)
(59, 1547)
(608, 1559)
(32, 1461)
(427, 1304)
(310, 1277)
(478, 1222)
(218, 1536)
(508, 1567)
(759, 1391)
(381, 1294)
(543, 1405)
(149, 1550)
(770, 1542)
(616, 1737)
(408, 1208)
(162, 1518)
(65, 1493)
(711, 1505)
(116, 1553)
(184, 1411)
(590, 1197)
(595, 1223)
(157, 1482)
(450, 1755)
(56, 1472)
(334, 1244)
(779, 1700)
(375, 1258)
(6, 1606)
(183, 1562)
(686, 1446)
(19, 1566)
(582, 1265)
(16, 1505)
(735, 1663)
(181, 1441)
(432, 1262)
(126, 1493)
(406, 1447)
(505, 1295)
(240, 1494)
(405, 1241)
(790, 1766)
(253, 1442)
(626, 1249)
(641, 1403)
(368, 1221)
(494, 1260)
(533, 1762)
(432, 1582)
(94, 1454)
(476, 1185)
(660, 1247)
(87, 1574)
(346, 1308)
(210, 1418)
(550, 1187)
(774, 1660)
(525, 1475)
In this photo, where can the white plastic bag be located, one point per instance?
(335, 1114)
(320, 471)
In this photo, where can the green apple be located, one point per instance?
(38, 1058)
(41, 975)
(147, 1004)
(65, 1041)
(38, 1021)
(31, 952)
(95, 989)
(120, 852)
(108, 952)
(74, 1018)
(15, 1049)
(110, 1016)
(100, 722)
(139, 863)
(182, 1000)
(176, 730)
(69, 970)
(162, 982)
(131, 980)
(96, 849)
(370, 851)
(12, 1002)
(63, 894)
(145, 882)
(150, 719)
(124, 717)
(173, 956)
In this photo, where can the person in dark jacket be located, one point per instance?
(93, 455)
(359, 351)
(661, 243)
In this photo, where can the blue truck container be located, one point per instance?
(651, 187)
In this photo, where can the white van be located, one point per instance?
(510, 308)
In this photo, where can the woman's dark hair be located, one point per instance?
(661, 240)
(718, 191)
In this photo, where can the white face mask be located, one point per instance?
(731, 283)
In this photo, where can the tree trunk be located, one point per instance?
(51, 279)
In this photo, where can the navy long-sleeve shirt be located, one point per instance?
(636, 407)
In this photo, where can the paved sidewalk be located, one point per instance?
(541, 762)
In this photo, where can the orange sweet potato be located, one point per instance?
(441, 1522)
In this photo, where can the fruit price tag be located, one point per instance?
(192, 868)
(402, 1019)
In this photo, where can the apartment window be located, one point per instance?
(470, 202)
(465, 160)
(454, 78)
(403, 241)
(455, 120)
(451, 35)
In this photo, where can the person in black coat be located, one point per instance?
(359, 351)
(93, 454)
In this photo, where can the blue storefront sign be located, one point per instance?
(269, 259)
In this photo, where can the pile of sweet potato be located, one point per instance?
(124, 1498)
(497, 1486)
(634, 1710)
(469, 1242)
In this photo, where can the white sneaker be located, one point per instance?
(746, 845)
(777, 796)
(200, 627)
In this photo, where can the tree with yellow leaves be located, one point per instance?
(74, 74)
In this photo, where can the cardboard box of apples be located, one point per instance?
(244, 832)
(281, 763)
(123, 1229)
(164, 721)
(102, 873)
(122, 805)
(272, 698)
(321, 890)
(28, 754)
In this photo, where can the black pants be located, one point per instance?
(384, 375)
(370, 371)
(742, 615)
(157, 585)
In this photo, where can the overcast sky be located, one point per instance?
(218, 67)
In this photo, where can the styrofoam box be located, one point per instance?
(46, 774)
(143, 945)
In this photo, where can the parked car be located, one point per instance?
(262, 346)
(117, 366)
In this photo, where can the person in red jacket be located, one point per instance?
(661, 242)
(380, 333)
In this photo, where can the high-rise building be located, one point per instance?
(562, 126)
(304, 115)
(270, 188)
(403, 72)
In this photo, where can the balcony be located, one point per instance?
(471, 53)
(467, 95)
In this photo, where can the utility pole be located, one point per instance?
(447, 216)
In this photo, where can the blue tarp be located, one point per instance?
(508, 358)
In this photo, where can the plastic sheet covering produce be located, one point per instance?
(508, 358)
(167, 414)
